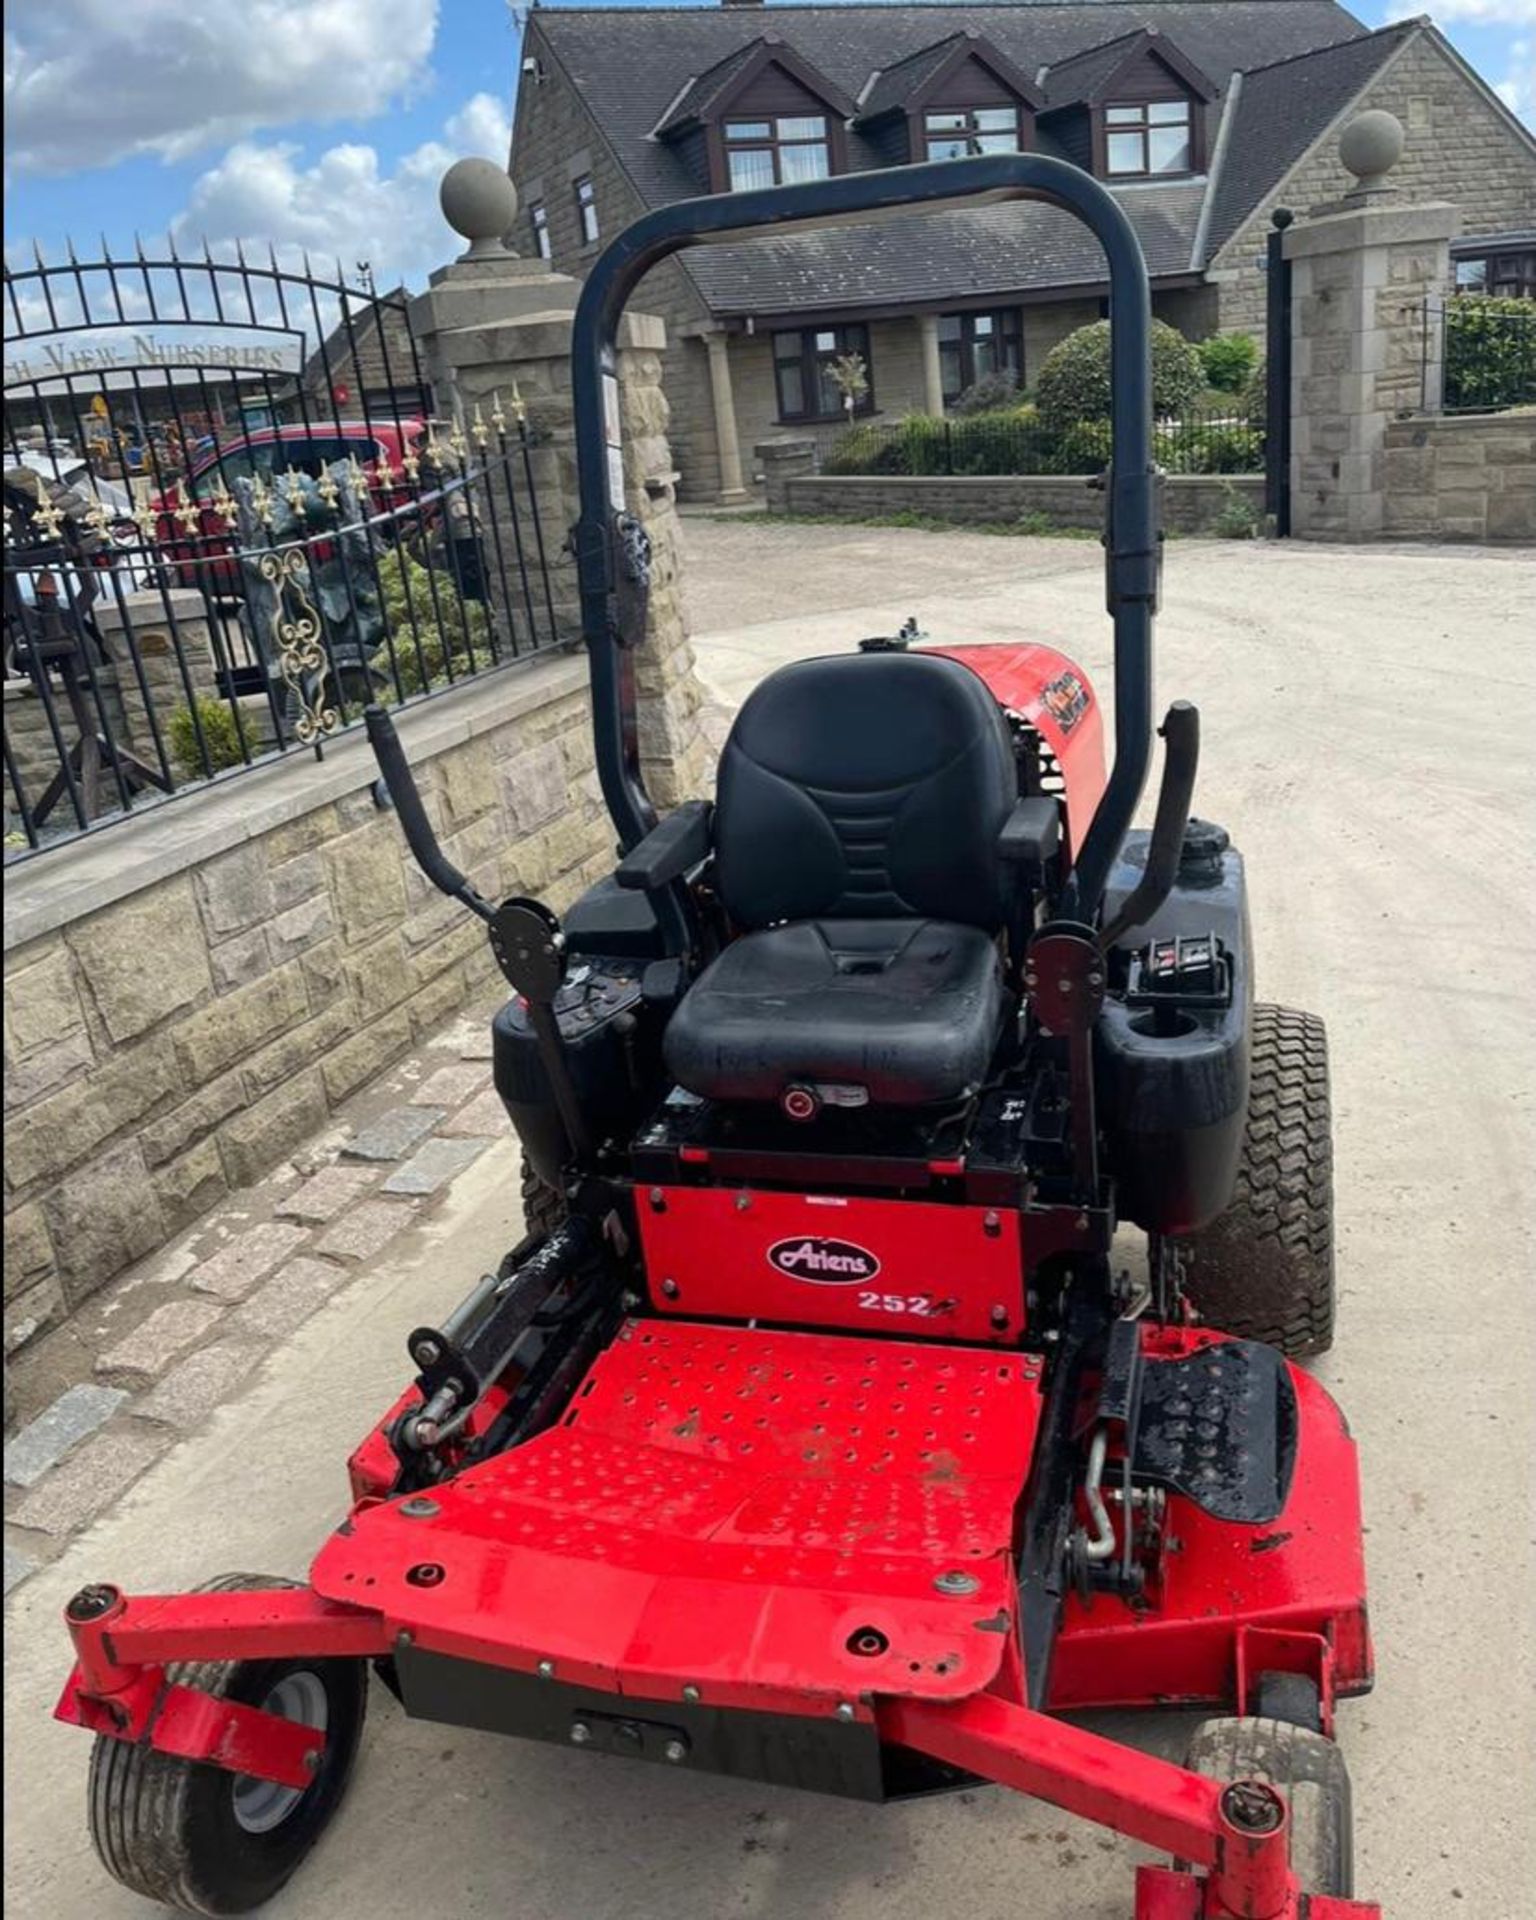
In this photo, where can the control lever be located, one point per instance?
(1181, 756)
(423, 843)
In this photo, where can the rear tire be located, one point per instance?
(1263, 1270)
(204, 1841)
(1309, 1770)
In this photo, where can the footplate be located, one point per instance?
(1220, 1428)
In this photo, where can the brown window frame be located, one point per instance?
(773, 143)
(1517, 283)
(1143, 128)
(587, 223)
(809, 359)
(970, 131)
(538, 220)
(1008, 326)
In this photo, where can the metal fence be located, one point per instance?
(1226, 439)
(214, 557)
(1485, 348)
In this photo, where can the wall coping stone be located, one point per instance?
(83, 876)
(1357, 227)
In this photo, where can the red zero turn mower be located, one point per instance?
(811, 1435)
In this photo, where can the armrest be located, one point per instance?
(671, 847)
(1032, 833)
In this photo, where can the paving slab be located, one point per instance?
(17, 1567)
(393, 1134)
(291, 1296)
(484, 1117)
(146, 1352)
(438, 1162)
(450, 1086)
(323, 1197)
(43, 1442)
(367, 1229)
(90, 1481)
(254, 1251)
(199, 1384)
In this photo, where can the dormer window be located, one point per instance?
(1147, 137)
(951, 133)
(777, 151)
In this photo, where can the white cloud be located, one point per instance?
(346, 205)
(89, 82)
(1475, 12)
(482, 126)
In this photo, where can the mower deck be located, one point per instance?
(782, 1519)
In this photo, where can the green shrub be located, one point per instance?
(1490, 352)
(1237, 518)
(1210, 448)
(220, 736)
(432, 630)
(1074, 380)
(1083, 448)
(1228, 359)
(991, 393)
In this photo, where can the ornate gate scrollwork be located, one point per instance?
(296, 634)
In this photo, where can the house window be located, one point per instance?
(951, 133)
(1151, 137)
(973, 345)
(1512, 275)
(540, 221)
(586, 210)
(802, 372)
(777, 150)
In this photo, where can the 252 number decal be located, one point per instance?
(922, 1304)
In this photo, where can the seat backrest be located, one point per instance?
(866, 787)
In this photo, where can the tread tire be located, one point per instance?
(1263, 1269)
(165, 1828)
(1309, 1770)
(543, 1207)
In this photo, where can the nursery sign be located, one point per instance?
(97, 355)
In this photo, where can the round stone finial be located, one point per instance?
(479, 201)
(1371, 146)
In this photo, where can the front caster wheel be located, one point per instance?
(1309, 1770)
(204, 1841)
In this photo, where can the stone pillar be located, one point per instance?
(1362, 271)
(143, 632)
(494, 324)
(933, 370)
(781, 462)
(727, 443)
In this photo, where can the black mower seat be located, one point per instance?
(906, 1010)
(857, 822)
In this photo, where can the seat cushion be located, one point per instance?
(909, 1010)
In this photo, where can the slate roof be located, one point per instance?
(700, 94)
(1076, 78)
(899, 82)
(632, 67)
(1280, 111)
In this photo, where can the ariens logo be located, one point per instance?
(826, 1263)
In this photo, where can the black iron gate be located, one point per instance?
(1277, 383)
(232, 518)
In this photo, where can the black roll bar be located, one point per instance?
(1132, 531)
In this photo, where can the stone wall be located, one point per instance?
(1471, 477)
(1191, 503)
(190, 993)
(173, 1043)
(1460, 147)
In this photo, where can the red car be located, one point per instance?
(203, 551)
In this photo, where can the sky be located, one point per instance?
(327, 123)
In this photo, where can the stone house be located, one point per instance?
(1201, 116)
